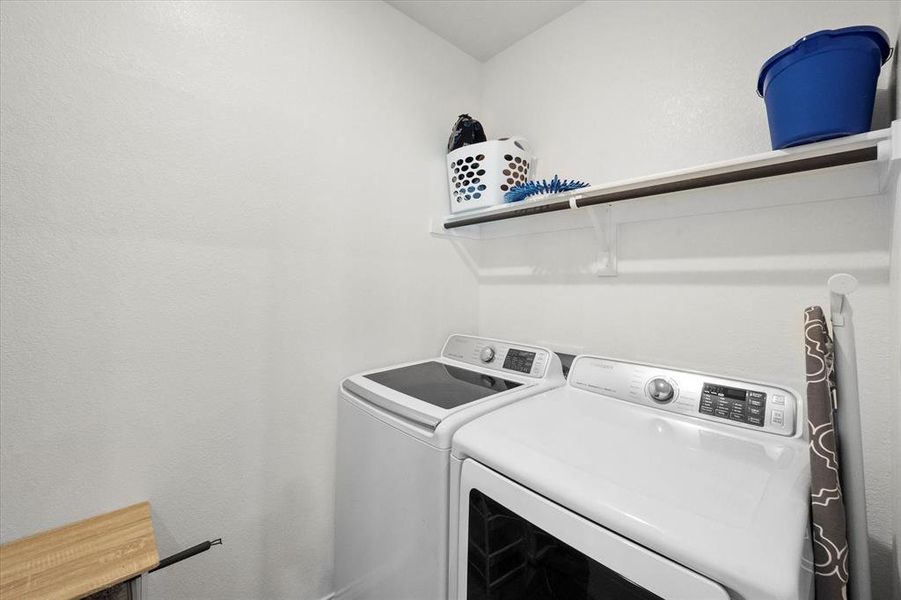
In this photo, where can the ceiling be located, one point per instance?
(482, 28)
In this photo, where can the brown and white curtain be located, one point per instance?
(830, 544)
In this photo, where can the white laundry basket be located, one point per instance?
(480, 174)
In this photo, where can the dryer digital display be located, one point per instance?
(736, 404)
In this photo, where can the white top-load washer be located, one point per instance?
(634, 482)
(394, 436)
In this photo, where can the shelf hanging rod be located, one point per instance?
(802, 165)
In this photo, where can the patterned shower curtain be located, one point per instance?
(830, 544)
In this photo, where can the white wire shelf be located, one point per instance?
(873, 149)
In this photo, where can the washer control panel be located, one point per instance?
(498, 355)
(749, 405)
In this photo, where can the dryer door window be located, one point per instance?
(512, 543)
(511, 558)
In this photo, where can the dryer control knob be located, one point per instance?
(660, 390)
(487, 354)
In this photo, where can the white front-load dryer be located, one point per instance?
(392, 475)
(634, 482)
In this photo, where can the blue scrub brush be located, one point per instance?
(534, 188)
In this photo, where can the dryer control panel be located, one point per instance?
(756, 406)
(498, 355)
(736, 404)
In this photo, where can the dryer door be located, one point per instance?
(516, 544)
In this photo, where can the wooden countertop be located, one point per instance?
(79, 559)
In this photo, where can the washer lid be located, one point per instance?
(469, 370)
(440, 384)
(427, 392)
(727, 503)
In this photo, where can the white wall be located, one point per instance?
(614, 90)
(895, 370)
(210, 213)
(202, 207)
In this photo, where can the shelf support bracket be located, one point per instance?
(605, 233)
(889, 153)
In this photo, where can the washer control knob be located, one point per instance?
(487, 354)
(660, 390)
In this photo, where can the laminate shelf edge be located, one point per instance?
(79, 559)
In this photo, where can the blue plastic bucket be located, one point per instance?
(824, 85)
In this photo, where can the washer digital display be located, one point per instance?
(519, 360)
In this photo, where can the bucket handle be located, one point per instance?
(891, 53)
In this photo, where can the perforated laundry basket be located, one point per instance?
(480, 174)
